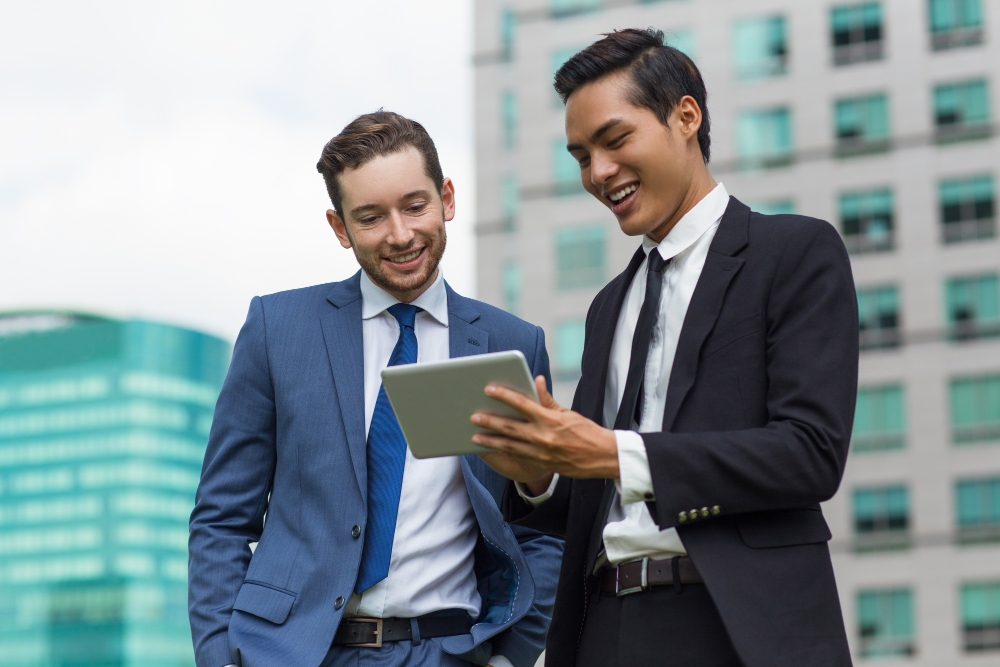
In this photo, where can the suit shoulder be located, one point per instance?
(789, 231)
(294, 303)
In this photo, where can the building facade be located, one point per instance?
(103, 428)
(879, 117)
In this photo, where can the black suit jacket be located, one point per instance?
(755, 434)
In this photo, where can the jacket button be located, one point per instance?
(682, 517)
(356, 531)
(693, 514)
(339, 602)
(647, 495)
(716, 510)
(704, 511)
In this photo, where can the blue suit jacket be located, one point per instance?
(288, 439)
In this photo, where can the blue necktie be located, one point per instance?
(386, 457)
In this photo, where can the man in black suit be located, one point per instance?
(715, 406)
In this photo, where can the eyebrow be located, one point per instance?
(358, 210)
(597, 133)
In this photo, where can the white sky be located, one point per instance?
(157, 160)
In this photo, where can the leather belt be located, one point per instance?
(639, 575)
(361, 631)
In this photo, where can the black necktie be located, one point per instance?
(630, 407)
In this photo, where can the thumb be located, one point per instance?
(544, 397)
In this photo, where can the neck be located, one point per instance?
(701, 184)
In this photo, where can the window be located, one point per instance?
(862, 123)
(978, 504)
(973, 307)
(881, 517)
(764, 137)
(512, 287)
(508, 104)
(955, 23)
(967, 207)
(879, 419)
(508, 29)
(885, 622)
(569, 348)
(559, 58)
(774, 207)
(961, 110)
(856, 33)
(866, 220)
(878, 310)
(509, 201)
(975, 409)
(682, 40)
(760, 47)
(560, 8)
(580, 257)
(981, 616)
(565, 170)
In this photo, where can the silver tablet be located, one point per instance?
(434, 401)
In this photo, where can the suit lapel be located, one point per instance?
(706, 303)
(344, 338)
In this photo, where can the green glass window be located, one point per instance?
(565, 170)
(878, 311)
(973, 306)
(580, 257)
(569, 347)
(955, 23)
(560, 8)
(960, 108)
(866, 220)
(508, 110)
(978, 503)
(510, 200)
(967, 208)
(682, 40)
(862, 120)
(774, 207)
(508, 29)
(879, 419)
(881, 509)
(764, 137)
(512, 287)
(975, 408)
(760, 47)
(981, 616)
(885, 622)
(557, 60)
(856, 32)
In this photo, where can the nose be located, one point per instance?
(399, 233)
(601, 169)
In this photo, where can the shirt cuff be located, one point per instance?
(500, 661)
(535, 501)
(636, 481)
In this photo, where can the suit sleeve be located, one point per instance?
(524, 641)
(797, 458)
(232, 496)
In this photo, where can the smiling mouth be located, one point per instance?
(622, 196)
(402, 259)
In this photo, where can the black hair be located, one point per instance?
(661, 75)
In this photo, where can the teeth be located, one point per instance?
(621, 193)
(404, 258)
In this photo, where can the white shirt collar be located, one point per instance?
(692, 226)
(434, 300)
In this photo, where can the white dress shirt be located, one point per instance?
(630, 531)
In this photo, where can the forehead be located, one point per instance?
(385, 178)
(595, 103)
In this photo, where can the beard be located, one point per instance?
(394, 283)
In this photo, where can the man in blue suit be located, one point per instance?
(365, 555)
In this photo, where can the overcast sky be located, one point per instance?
(157, 160)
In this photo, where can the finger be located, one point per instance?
(527, 407)
(544, 397)
(509, 446)
(514, 428)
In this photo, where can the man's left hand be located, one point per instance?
(551, 437)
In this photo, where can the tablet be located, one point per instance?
(434, 401)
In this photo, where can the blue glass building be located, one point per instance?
(103, 427)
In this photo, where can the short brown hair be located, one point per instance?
(372, 135)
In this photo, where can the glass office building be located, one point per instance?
(103, 427)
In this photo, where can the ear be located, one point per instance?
(339, 228)
(448, 199)
(687, 115)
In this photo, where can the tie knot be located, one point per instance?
(405, 313)
(656, 262)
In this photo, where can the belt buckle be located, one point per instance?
(643, 580)
(378, 631)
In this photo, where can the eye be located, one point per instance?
(416, 207)
(368, 220)
(614, 143)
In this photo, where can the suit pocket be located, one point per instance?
(263, 601)
(731, 333)
(783, 528)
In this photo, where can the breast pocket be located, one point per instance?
(728, 334)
